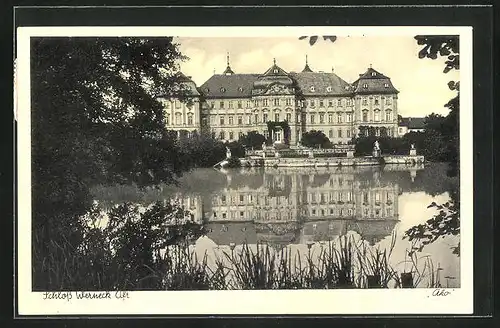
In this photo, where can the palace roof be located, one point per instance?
(229, 86)
(309, 83)
(321, 84)
(373, 81)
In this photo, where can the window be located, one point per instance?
(388, 101)
(264, 102)
(321, 118)
(339, 133)
(230, 102)
(249, 104)
(348, 133)
(365, 198)
(374, 74)
(330, 103)
(240, 135)
(230, 120)
(222, 135)
(311, 103)
(365, 86)
(221, 120)
(221, 104)
(222, 90)
(190, 119)
(330, 118)
(231, 135)
(365, 102)
(386, 85)
(256, 118)
(329, 89)
(312, 89)
(376, 101)
(178, 118)
(349, 102)
(349, 117)
(288, 117)
(249, 119)
(240, 105)
(365, 116)
(212, 119)
(264, 117)
(167, 119)
(330, 134)
(275, 71)
(339, 102)
(388, 116)
(213, 135)
(289, 102)
(298, 118)
(241, 198)
(276, 101)
(312, 118)
(339, 117)
(276, 117)
(321, 104)
(376, 115)
(177, 104)
(240, 120)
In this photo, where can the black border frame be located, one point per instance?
(480, 17)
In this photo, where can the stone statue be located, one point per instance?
(263, 146)
(376, 145)
(412, 146)
(228, 152)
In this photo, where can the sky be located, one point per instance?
(421, 82)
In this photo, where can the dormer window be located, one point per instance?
(240, 89)
(386, 85)
(275, 71)
(347, 87)
(365, 86)
(222, 89)
(329, 89)
(312, 89)
(374, 74)
(207, 90)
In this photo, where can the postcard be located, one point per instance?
(244, 170)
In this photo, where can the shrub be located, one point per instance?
(233, 162)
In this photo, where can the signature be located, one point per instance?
(441, 292)
(68, 296)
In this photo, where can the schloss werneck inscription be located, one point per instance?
(81, 295)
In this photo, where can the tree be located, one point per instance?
(445, 132)
(315, 139)
(253, 139)
(95, 119)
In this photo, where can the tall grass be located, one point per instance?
(345, 263)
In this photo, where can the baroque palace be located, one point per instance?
(283, 105)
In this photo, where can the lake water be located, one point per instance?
(303, 209)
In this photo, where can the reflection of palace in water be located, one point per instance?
(298, 206)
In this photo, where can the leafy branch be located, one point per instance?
(313, 39)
